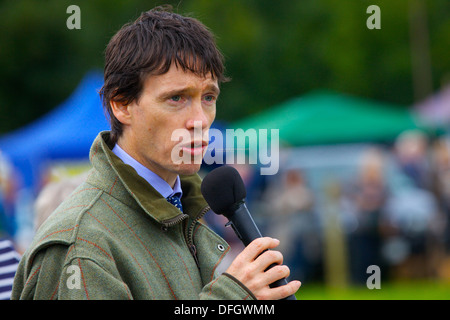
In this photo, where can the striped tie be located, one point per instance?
(176, 201)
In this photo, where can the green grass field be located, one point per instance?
(411, 290)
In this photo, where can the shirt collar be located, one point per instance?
(152, 178)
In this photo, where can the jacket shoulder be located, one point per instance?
(62, 225)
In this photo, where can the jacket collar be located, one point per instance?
(122, 182)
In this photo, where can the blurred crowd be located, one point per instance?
(392, 210)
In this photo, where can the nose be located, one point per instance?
(197, 116)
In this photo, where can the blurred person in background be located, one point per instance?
(7, 196)
(440, 242)
(52, 195)
(367, 201)
(411, 150)
(441, 186)
(132, 230)
(293, 221)
(9, 261)
(9, 257)
(412, 209)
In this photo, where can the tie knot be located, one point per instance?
(176, 201)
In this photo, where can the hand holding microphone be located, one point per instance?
(257, 267)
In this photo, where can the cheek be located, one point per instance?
(211, 114)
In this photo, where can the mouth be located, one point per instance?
(195, 147)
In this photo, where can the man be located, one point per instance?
(132, 231)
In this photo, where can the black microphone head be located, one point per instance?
(223, 189)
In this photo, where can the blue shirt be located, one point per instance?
(155, 181)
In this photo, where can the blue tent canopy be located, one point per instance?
(67, 132)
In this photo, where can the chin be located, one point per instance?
(188, 169)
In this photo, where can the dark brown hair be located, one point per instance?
(149, 46)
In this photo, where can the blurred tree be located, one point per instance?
(274, 50)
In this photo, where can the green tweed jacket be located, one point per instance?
(116, 237)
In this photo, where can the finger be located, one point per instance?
(267, 259)
(276, 273)
(286, 290)
(257, 246)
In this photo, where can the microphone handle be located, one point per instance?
(242, 217)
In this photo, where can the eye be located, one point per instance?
(209, 98)
(176, 98)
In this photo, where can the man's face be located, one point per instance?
(171, 101)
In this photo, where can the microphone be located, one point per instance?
(225, 193)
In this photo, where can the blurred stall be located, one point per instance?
(63, 135)
(324, 117)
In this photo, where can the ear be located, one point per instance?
(121, 111)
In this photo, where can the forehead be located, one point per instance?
(177, 78)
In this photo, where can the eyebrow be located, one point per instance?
(170, 93)
(215, 89)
